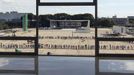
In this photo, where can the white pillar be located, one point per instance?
(50, 23)
(88, 24)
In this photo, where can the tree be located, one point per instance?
(3, 26)
(44, 20)
(131, 21)
(62, 16)
(105, 22)
(85, 16)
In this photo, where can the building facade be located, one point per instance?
(120, 21)
(11, 16)
(68, 23)
(123, 25)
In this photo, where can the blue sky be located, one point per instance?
(107, 8)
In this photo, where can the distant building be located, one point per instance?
(123, 30)
(9, 16)
(68, 23)
(119, 29)
(123, 25)
(120, 21)
(130, 17)
(77, 24)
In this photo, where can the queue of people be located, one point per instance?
(67, 47)
(68, 37)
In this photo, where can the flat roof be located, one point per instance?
(69, 20)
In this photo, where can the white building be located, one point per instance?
(130, 29)
(68, 23)
(123, 26)
(123, 30)
(119, 29)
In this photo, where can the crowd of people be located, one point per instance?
(20, 46)
(68, 37)
(117, 47)
(67, 47)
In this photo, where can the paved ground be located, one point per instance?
(58, 40)
(43, 65)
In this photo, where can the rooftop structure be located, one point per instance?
(120, 21)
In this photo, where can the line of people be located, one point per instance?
(117, 47)
(68, 37)
(20, 46)
(73, 47)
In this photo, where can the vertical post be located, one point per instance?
(36, 65)
(26, 26)
(96, 30)
(88, 26)
(97, 65)
(25, 22)
(37, 27)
